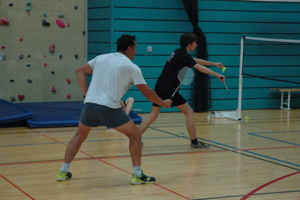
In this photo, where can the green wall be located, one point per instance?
(160, 23)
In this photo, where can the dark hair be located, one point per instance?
(125, 41)
(187, 38)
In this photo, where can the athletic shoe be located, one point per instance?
(62, 176)
(200, 145)
(143, 179)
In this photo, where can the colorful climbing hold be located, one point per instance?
(68, 96)
(45, 23)
(52, 48)
(45, 64)
(21, 56)
(21, 97)
(3, 47)
(20, 39)
(68, 80)
(53, 89)
(4, 21)
(60, 23)
(2, 56)
(28, 6)
(60, 56)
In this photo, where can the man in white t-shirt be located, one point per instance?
(112, 75)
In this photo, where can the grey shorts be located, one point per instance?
(93, 114)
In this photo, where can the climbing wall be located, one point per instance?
(42, 42)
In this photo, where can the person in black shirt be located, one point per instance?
(168, 82)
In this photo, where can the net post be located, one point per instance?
(239, 109)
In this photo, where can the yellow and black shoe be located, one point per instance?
(143, 179)
(62, 176)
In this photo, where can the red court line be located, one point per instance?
(266, 184)
(149, 155)
(17, 187)
(154, 183)
(109, 163)
(59, 142)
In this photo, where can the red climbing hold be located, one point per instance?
(52, 48)
(4, 21)
(60, 23)
(21, 97)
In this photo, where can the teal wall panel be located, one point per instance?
(159, 24)
(98, 4)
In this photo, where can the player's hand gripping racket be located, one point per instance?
(185, 76)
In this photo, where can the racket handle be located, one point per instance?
(171, 97)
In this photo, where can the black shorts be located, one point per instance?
(93, 114)
(167, 93)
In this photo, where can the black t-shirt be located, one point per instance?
(178, 59)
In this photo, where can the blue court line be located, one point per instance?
(13, 145)
(257, 154)
(250, 152)
(239, 150)
(270, 138)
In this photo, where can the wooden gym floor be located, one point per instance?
(257, 158)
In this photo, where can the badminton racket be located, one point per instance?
(226, 86)
(185, 76)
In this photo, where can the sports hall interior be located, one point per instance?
(255, 156)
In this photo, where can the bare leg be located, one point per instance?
(129, 103)
(76, 141)
(152, 117)
(135, 147)
(190, 122)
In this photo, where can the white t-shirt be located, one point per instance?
(113, 74)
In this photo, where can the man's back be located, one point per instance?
(113, 75)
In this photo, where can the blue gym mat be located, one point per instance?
(54, 114)
(50, 114)
(10, 112)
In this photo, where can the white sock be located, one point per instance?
(65, 167)
(137, 170)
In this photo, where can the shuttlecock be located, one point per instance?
(223, 69)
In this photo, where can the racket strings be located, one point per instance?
(186, 75)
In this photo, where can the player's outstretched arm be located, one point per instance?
(206, 70)
(152, 96)
(205, 62)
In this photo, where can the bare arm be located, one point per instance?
(152, 96)
(206, 70)
(81, 74)
(205, 62)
